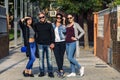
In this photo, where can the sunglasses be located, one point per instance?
(41, 17)
(58, 17)
(69, 18)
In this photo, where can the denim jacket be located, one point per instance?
(61, 31)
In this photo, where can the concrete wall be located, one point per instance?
(4, 37)
(4, 47)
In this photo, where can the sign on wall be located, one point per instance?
(118, 22)
(100, 30)
(100, 26)
(118, 33)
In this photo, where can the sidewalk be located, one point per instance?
(11, 68)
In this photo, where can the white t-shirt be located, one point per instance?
(57, 37)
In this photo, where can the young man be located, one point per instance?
(45, 41)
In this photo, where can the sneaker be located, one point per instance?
(51, 74)
(81, 71)
(41, 74)
(60, 74)
(71, 75)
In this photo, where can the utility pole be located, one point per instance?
(15, 23)
(6, 6)
(21, 16)
(25, 7)
(31, 9)
(7, 12)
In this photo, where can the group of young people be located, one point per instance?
(45, 38)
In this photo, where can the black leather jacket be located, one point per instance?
(25, 31)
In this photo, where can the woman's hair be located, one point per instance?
(70, 14)
(28, 19)
(60, 16)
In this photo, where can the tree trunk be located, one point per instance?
(86, 41)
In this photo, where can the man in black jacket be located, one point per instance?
(45, 40)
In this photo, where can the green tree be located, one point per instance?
(44, 4)
(80, 7)
(116, 2)
(84, 8)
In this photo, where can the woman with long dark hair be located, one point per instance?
(59, 49)
(29, 42)
(72, 38)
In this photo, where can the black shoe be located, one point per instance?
(41, 74)
(60, 74)
(50, 74)
(31, 75)
(25, 74)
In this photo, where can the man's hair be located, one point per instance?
(41, 13)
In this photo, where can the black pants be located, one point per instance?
(59, 51)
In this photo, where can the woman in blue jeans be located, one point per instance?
(29, 42)
(72, 37)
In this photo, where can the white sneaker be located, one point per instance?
(71, 75)
(81, 71)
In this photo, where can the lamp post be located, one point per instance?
(25, 7)
(7, 12)
(21, 8)
(21, 16)
(15, 23)
(6, 6)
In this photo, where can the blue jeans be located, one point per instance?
(70, 50)
(32, 55)
(42, 50)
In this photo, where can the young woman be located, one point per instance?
(72, 37)
(59, 49)
(29, 42)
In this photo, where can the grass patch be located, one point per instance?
(11, 34)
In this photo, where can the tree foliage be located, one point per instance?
(43, 4)
(116, 2)
(76, 6)
(79, 6)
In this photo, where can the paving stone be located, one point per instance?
(11, 68)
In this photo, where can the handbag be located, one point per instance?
(23, 49)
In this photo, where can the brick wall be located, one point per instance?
(108, 41)
(115, 43)
(103, 43)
